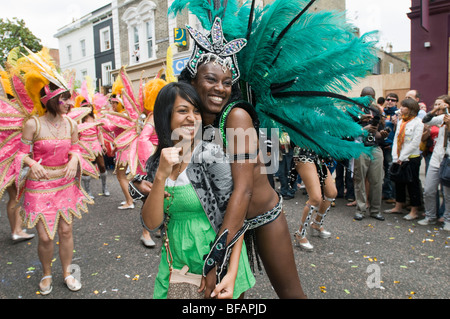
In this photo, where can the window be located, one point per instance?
(84, 73)
(105, 39)
(391, 68)
(69, 52)
(106, 73)
(149, 28)
(83, 48)
(140, 21)
(136, 53)
(376, 70)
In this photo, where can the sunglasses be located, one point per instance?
(391, 100)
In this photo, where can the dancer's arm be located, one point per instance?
(225, 289)
(153, 209)
(241, 169)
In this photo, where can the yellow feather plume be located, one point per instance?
(34, 82)
(170, 77)
(6, 84)
(78, 100)
(117, 86)
(151, 91)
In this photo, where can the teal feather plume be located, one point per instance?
(318, 53)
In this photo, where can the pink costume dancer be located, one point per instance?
(137, 141)
(91, 137)
(47, 166)
(49, 200)
(15, 108)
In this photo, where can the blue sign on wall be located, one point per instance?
(180, 36)
(179, 64)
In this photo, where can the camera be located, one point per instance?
(370, 139)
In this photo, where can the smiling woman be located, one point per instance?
(48, 165)
(193, 212)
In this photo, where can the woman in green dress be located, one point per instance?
(193, 214)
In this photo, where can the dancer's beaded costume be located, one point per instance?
(43, 200)
(294, 67)
(136, 143)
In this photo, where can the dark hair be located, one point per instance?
(162, 112)
(90, 114)
(53, 103)
(445, 98)
(412, 105)
(381, 100)
(394, 95)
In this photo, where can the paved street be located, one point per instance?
(411, 261)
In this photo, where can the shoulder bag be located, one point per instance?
(444, 169)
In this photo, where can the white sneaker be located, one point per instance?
(427, 221)
(126, 207)
(447, 226)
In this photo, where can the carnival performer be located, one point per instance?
(175, 168)
(51, 190)
(91, 137)
(115, 129)
(321, 189)
(288, 89)
(137, 142)
(14, 113)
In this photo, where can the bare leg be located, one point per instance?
(65, 245)
(308, 173)
(45, 253)
(13, 209)
(330, 193)
(103, 174)
(123, 181)
(275, 249)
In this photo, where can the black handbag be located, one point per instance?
(444, 171)
(401, 173)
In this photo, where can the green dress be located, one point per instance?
(190, 234)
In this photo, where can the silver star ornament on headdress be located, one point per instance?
(223, 52)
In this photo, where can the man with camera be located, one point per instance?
(369, 172)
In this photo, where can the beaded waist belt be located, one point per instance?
(267, 217)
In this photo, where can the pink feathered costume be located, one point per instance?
(49, 200)
(138, 140)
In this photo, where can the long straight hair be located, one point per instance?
(162, 112)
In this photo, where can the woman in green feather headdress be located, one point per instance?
(292, 66)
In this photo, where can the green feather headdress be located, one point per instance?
(298, 65)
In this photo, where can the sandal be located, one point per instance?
(75, 286)
(410, 217)
(391, 211)
(46, 290)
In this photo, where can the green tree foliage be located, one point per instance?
(14, 33)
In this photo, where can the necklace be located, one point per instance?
(57, 135)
